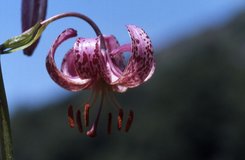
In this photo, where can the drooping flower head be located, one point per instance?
(99, 64)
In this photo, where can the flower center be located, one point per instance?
(104, 93)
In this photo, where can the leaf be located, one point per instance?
(23, 40)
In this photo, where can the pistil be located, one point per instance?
(92, 131)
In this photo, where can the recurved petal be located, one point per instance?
(111, 43)
(141, 64)
(87, 58)
(66, 80)
(32, 12)
(117, 59)
(112, 64)
(67, 66)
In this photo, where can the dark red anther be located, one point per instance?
(79, 121)
(70, 116)
(86, 114)
(109, 125)
(129, 121)
(120, 119)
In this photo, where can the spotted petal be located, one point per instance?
(87, 58)
(67, 80)
(92, 62)
(112, 64)
(141, 64)
(67, 66)
(117, 59)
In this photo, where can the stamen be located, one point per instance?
(120, 119)
(70, 116)
(86, 114)
(79, 121)
(129, 121)
(109, 126)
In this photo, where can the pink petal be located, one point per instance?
(87, 58)
(67, 66)
(123, 48)
(66, 80)
(110, 71)
(117, 59)
(92, 62)
(112, 64)
(111, 43)
(141, 64)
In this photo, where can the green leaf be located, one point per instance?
(24, 40)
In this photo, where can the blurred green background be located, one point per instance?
(193, 108)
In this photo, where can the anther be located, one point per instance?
(129, 121)
(109, 125)
(70, 116)
(79, 121)
(86, 114)
(120, 119)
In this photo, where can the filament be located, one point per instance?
(109, 125)
(79, 122)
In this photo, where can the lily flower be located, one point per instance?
(99, 64)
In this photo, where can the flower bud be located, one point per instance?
(32, 11)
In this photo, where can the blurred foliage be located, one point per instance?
(192, 109)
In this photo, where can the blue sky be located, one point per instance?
(27, 81)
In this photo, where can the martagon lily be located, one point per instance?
(99, 64)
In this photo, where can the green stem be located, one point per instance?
(31, 35)
(5, 130)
